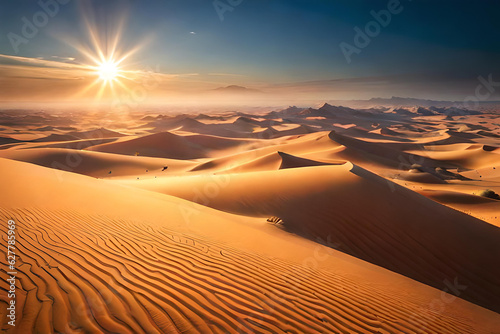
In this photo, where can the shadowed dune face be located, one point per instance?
(363, 216)
(302, 220)
(290, 161)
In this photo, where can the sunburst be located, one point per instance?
(105, 60)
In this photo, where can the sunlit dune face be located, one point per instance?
(108, 70)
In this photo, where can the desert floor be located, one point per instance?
(300, 220)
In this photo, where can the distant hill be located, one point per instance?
(237, 89)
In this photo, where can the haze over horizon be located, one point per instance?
(155, 52)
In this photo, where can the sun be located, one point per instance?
(108, 70)
(108, 64)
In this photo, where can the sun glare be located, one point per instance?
(106, 61)
(108, 70)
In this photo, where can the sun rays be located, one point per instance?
(107, 61)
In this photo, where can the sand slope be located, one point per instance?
(110, 259)
(96, 164)
(163, 144)
(396, 228)
(169, 145)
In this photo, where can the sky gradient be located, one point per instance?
(429, 49)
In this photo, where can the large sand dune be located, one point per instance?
(169, 145)
(96, 164)
(318, 202)
(133, 263)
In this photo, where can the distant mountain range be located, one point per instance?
(237, 89)
(408, 102)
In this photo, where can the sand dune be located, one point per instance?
(7, 140)
(96, 164)
(361, 151)
(472, 157)
(80, 144)
(57, 137)
(169, 145)
(122, 269)
(96, 134)
(242, 127)
(422, 247)
(272, 161)
(290, 161)
(486, 173)
(254, 154)
(164, 145)
(480, 207)
(420, 177)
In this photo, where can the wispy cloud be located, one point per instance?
(38, 62)
(63, 59)
(60, 77)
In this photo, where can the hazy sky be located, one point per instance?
(429, 49)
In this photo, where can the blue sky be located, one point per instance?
(268, 42)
